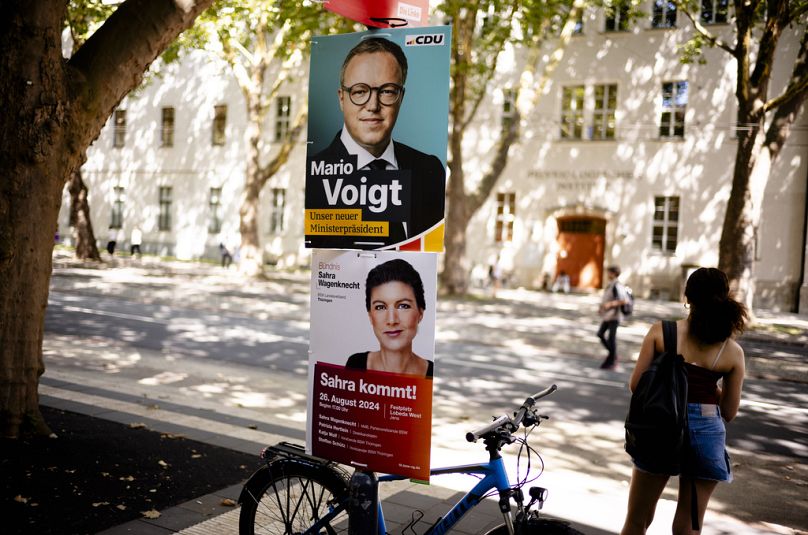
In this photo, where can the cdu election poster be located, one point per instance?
(371, 359)
(377, 140)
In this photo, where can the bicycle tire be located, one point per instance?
(538, 526)
(287, 497)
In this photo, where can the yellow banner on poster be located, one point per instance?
(343, 222)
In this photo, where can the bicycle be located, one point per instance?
(293, 493)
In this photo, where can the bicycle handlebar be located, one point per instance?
(506, 422)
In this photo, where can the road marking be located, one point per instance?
(119, 315)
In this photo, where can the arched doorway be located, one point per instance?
(580, 250)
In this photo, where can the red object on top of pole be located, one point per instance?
(382, 13)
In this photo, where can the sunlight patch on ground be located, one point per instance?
(209, 389)
(200, 333)
(164, 378)
(252, 399)
(295, 416)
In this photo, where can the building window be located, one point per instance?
(506, 213)
(276, 221)
(666, 224)
(164, 218)
(674, 105)
(215, 205)
(604, 114)
(508, 107)
(119, 129)
(714, 11)
(219, 124)
(283, 112)
(167, 128)
(617, 19)
(572, 112)
(664, 14)
(116, 218)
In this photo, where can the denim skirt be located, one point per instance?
(708, 435)
(708, 438)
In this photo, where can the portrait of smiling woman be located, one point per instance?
(395, 303)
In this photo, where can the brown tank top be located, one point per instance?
(701, 382)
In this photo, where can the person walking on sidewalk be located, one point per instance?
(135, 241)
(705, 340)
(614, 296)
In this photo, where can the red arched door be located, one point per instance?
(580, 250)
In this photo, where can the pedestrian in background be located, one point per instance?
(705, 340)
(227, 258)
(112, 241)
(562, 282)
(614, 296)
(495, 276)
(135, 241)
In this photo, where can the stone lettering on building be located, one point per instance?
(581, 175)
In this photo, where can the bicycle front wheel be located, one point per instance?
(538, 526)
(287, 498)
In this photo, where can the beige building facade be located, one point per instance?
(626, 159)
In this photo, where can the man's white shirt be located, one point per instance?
(363, 157)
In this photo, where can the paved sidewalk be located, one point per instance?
(207, 514)
(783, 337)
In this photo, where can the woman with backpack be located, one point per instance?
(705, 340)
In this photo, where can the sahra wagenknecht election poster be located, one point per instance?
(377, 139)
(371, 359)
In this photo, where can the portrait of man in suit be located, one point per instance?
(371, 90)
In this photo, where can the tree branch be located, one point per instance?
(798, 84)
(712, 39)
(268, 171)
(113, 60)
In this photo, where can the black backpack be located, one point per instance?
(656, 425)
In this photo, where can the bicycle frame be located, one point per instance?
(494, 477)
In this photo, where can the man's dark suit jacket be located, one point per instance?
(428, 191)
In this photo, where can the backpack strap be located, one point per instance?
(669, 336)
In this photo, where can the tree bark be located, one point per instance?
(251, 261)
(80, 222)
(758, 145)
(53, 109)
(463, 204)
(737, 242)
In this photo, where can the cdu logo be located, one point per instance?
(431, 39)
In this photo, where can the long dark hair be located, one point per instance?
(714, 314)
(396, 270)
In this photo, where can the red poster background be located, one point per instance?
(397, 13)
(373, 420)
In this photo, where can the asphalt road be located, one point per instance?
(247, 347)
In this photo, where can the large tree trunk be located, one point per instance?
(736, 248)
(461, 204)
(31, 164)
(80, 222)
(53, 109)
(455, 274)
(251, 256)
(759, 143)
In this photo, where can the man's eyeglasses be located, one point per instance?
(389, 94)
